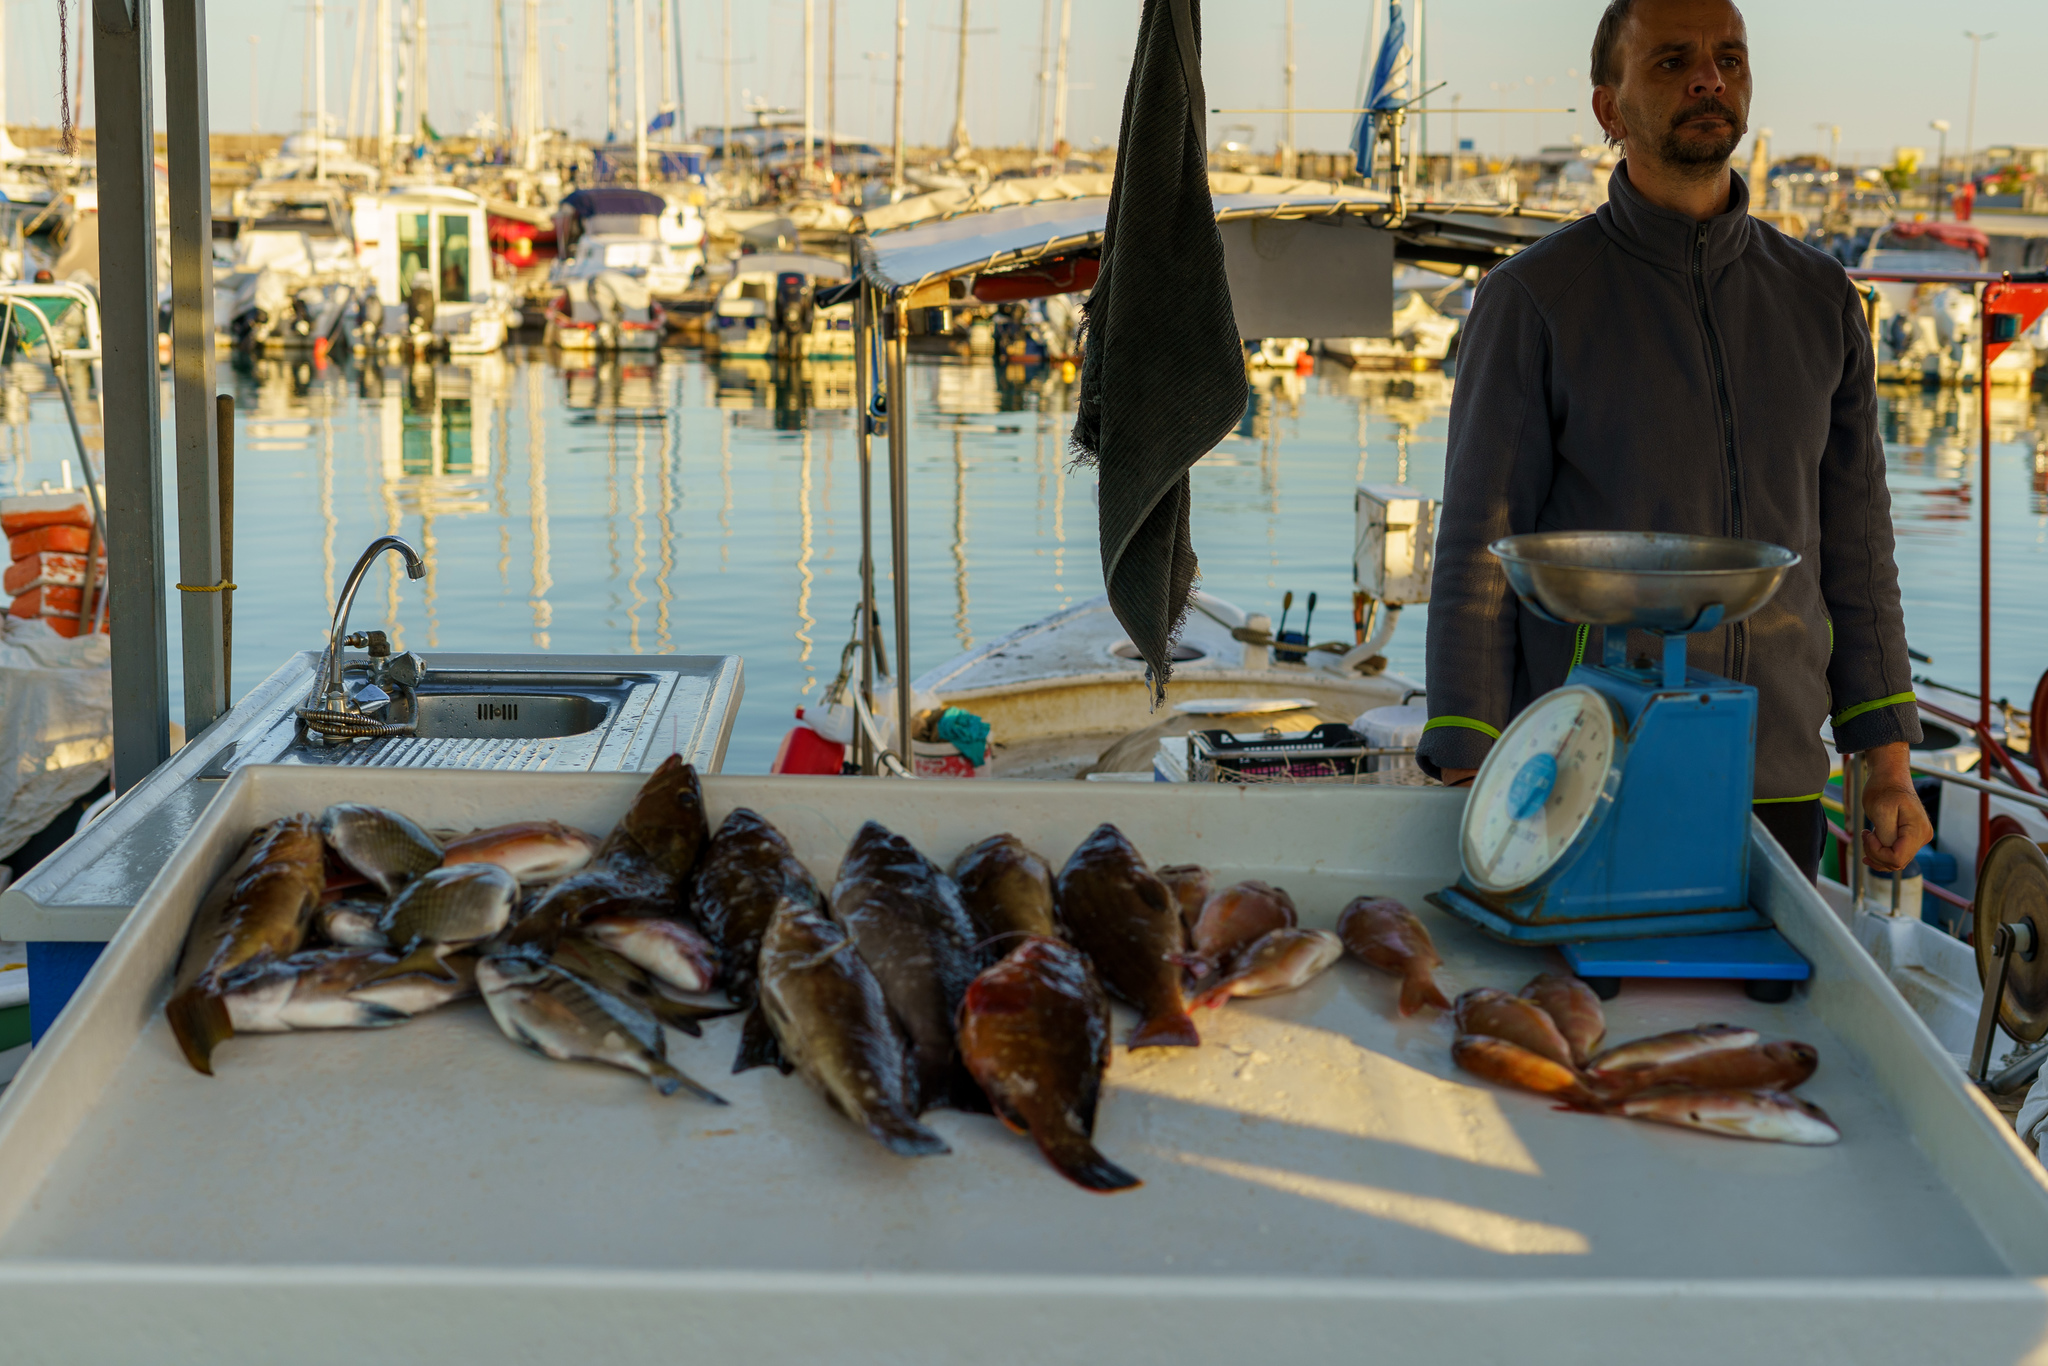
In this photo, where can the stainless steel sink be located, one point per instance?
(506, 715)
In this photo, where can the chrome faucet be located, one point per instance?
(331, 711)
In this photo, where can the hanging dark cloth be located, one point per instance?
(1162, 378)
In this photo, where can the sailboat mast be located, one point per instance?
(1043, 106)
(902, 27)
(1287, 102)
(810, 85)
(611, 70)
(661, 48)
(386, 96)
(530, 118)
(725, 148)
(960, 139)
(682, 129)
(419, 73)
(319, 89)
(639, 94)
(831, 83)
(1059, 80)
(498, 71)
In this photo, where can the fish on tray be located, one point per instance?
(1282, 960)
(666, 949)
(380, 845)
(1612, 1069)
(1497, 1015)
(1007, 891)
(665, 828)
(1384, 934)
(352, 924)
(341, 989)
(595, 963)
(746, 871)
(532, 851)
(1235, 918)
(257, 912)
(1034, 1032)
(1116, 912)
(1574, 1008)
(830, 1019)
(1777, 1066)
(1510, 1064)
(907, 924)
(1191, 886)
(563, 1015)
(446, 909)
(1766, 1116)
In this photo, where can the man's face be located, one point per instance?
(1683, 94)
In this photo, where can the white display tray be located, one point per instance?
(1321, 1182)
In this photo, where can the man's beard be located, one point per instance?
(1695, 153)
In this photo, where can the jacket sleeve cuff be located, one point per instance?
(1883, 721)
(1453, 742)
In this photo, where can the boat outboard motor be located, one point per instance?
(611, 309)
(370, 317)
(792, 309)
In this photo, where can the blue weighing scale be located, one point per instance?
(1612, 817)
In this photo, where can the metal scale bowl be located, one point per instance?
(1615, 809)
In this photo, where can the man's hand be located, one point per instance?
(1459, 777)
(1899, 824)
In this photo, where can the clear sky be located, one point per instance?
(1879, 68)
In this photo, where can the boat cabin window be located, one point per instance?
(414, 248)
(754, 289)
(455, 258)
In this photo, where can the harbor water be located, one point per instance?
(674, 505)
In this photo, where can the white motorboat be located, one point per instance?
(426, 248)
(608, 311)
(291, 277)
(768, 306)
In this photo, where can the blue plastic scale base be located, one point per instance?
(1629, 929)
(1759, 955)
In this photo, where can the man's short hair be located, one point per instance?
(1605, 39)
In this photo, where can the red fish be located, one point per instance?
(1385, 934)
(1494, 1013)
(1509, 1064)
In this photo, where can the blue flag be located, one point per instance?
(1388, 89)
(665, 119)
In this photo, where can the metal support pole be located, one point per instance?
(224, 426)
(640, 93)
(896, 135)
(129, 412)
(1983, 540)
(899, 517)
(192, 363)
(863, 429)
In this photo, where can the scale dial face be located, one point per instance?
(1548, 777)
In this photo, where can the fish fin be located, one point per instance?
(1075, 1158)
(1419, 989)
(668, 1080)
(758, 1045)
(200, 1021)
(424, 961)
(903, 1135)
(1193, 964)
(1168, 1029)
(1212, 996)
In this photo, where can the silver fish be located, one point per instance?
(352, 924)
(671, 952)
(1768, 1116)
(381, 845)
(339, 989)
(451, 906)
(560, 1015)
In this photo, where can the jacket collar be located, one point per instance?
(1665, 237)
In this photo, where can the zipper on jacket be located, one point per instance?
(1738, 634)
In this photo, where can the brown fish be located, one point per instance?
(828, 1015)
(1007, 891)
(1034, 1031)
(340, 989)
(1766, 1116)
(1759, 1067)
(1573, 1007)
(905, 920)
(1281, 961)
(1385, 934)
(532, 851)
(1128, 924)
(1238, 916)
(1494, 1013)
(1191, 885)
(1509, 1064)
(747, 870)
(1612, 1068)
(257, 912)
(383, 846)
(665, 827)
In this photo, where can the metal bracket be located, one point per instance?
(2013, 940)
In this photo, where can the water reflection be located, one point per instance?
(573, 507)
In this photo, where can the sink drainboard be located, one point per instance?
(405, 752)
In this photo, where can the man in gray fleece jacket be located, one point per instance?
(1672, 364)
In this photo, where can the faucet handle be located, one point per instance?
(375, 641)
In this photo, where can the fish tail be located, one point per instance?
(1075, 1158)
(201, 1023)
(1165, 1029)
(1419, 989)
(758, 1045)
(424, 961)
(668, 1080)
(1210, 996)
(903, 1135)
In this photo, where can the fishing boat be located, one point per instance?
(768, 305)
(292, 278)
(658, 241)
(607, 311)
(426, 248)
